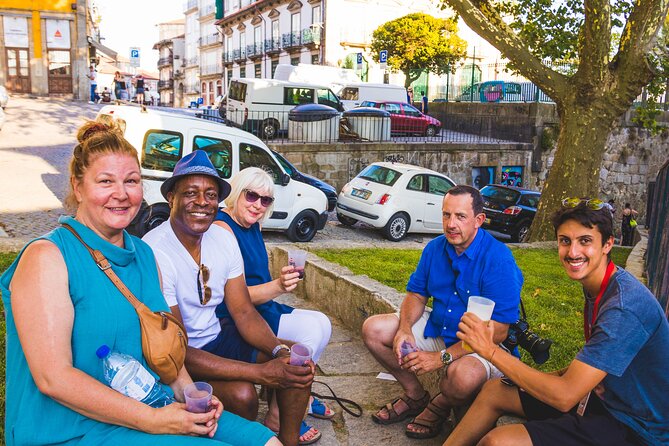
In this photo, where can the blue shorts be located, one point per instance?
(230, 344)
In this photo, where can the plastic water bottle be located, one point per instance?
(125, 374)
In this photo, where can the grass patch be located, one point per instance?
(6, 259)
(553, 302)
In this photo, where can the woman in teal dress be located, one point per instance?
(60, 307)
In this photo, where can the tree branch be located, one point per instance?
(483, 19)
(597, 41)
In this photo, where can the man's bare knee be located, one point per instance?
(379, 328)
(464, 379)
(238, 397)
(511, 435)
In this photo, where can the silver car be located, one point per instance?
(4, 97)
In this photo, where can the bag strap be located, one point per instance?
(340, 401)
(106, 268)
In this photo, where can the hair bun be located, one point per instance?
(91, 128)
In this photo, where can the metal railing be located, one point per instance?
(192, 61)
(310, 35)
(169, 83)
(272, 45)
(228, 57)
(164, 61)
(657, 256)
(452, 128)
(289, 40)
(255, 49)
(211, 69)
(210, 39)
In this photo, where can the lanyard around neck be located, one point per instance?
(595, 308)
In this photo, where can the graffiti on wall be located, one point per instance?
(512, 176)
(482, 176)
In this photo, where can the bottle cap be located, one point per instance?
(103, 351)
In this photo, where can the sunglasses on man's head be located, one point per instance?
(205, 296)
(591, 203)
(252, 197)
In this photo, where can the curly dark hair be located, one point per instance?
(601, 218)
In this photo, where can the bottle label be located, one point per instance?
(138, 387)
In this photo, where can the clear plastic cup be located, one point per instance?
(297, 258)
(481, 307)
(407, 348)
(198, 397)
(300, 354)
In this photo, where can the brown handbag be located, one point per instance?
(164, 339)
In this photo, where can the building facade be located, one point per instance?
(171, 51)
(46, 47)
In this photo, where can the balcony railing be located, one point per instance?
(228, 57)
(191, 61)
(310, 35)
(211, 69)
(291, 40)
(190, 4)
(209, 9)
(164, 61)
(239, 54)
(210, 39)
(272, 45)
(162, 85)
(254, 50)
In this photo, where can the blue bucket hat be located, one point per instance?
(196, 163)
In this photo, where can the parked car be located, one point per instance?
(492, 91)
(4, 97)
(396, 198)
(405, 118)
(509, 210)
(329, 191)
(162, 138)
(353, 94)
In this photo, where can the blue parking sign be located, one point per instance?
(383, 56)
(134, 53)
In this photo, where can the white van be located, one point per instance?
(353, 94)
(162, 138)
(261, 106)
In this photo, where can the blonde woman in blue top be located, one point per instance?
(60, 308)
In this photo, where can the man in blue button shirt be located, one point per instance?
(465, 261)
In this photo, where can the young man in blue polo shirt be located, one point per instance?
(615, 391)
(465, 261)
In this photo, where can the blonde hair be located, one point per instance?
(252, 178)
(95, 139)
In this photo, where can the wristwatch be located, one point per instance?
(278, 348)
(446, 358)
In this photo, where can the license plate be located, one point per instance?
(361, 193)
(487, 221)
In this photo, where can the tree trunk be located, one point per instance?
(584, 130)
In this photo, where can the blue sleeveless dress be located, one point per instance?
(102, 315)
(256, 270)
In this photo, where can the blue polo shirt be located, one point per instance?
(486, 268)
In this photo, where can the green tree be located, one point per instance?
(419, 42)
(608, 74)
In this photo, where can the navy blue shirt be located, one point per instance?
(630, 342)
(486, 268)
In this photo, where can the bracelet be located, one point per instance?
(278, 348)
(493, 354)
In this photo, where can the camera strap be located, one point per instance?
(587, 327)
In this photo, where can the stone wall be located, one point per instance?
(633, 158)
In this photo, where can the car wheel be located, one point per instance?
(430, 131)
(521, 232)
(396, 228)
(149, 218)
(303, 227)
(269, 129)
(346, 221)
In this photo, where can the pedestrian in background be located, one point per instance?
(93, 78)
(628, 224)
(120, 87)
(424, 101)
(147, 96)
(139, 89)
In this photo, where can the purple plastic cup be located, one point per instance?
(300, 354)
(407, 348)
(198, 397)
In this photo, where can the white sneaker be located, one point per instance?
(91, 102)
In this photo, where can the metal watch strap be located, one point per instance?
(446, 357)
(278, 348)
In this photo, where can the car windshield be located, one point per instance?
(284, 163)
(509, 196)
(380, 174)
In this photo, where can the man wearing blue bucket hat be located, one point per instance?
(200, 266)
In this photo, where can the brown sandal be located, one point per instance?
(433, 427)
(415, 407)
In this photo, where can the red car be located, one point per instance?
(405, 118)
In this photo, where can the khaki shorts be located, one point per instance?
(437, 344)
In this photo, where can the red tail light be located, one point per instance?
(384, 199)
(512, 210)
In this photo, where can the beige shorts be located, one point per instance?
(437, 344)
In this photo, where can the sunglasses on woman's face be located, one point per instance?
(203, 273)
(592, 203)
(252, 197)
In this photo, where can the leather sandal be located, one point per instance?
(433, 428)
(415, 407)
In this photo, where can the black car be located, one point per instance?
(509, 210)
(329, 191)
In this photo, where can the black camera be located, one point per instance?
(536, 346)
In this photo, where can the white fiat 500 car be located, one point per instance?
(396, 198)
